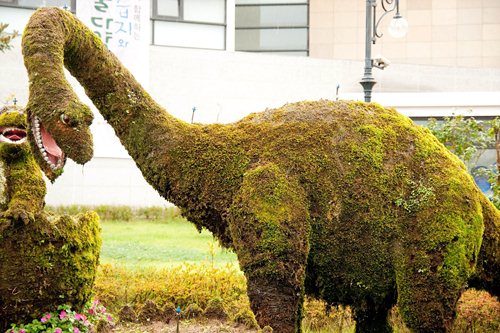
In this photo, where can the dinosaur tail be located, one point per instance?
(487, 275)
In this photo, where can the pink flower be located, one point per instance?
(63, 315)
(86, 323)
(45, 318)
(91, 311)
(109, 318)
(58, 330)
(76, 330)
(103, 309)
(22, 331)
(79, 316)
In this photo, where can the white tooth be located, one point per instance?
(44, 154)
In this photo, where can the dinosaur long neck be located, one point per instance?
(55, 38)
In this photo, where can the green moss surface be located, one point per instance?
(347, 201)
(51, 261)
(22, 186)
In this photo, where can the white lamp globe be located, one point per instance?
(398, 27)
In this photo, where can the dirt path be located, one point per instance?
(209, 326)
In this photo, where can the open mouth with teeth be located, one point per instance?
(51, 152)
(12, 135)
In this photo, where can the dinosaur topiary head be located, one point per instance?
(13, 134)
(60, 133)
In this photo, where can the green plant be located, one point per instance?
(420, 195)
(67, 320)
(5, 39)
(122, 213)
(468, 138)
(320, 317)
(478, 311)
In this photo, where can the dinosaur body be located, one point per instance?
(345, 201)
(45, 260)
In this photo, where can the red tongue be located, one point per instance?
(49, 143)
(15, 135)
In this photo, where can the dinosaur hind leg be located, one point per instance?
(426, 296)
(268, 225)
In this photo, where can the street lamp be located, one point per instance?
(397, 28)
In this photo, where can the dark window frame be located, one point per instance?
(178, 18)
(278, 27)
(157, 17)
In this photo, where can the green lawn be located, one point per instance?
(144, 244)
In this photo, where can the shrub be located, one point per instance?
(221, 292)
(478, 311)
(320, 317)
(122, 213)
(181, 285)
(67, 320)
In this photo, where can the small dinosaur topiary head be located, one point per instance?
(58, 134)
(13, 135)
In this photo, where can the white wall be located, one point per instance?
(225, 86)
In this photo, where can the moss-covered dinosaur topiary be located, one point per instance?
(346, 201)
(22, 189)
(45, 260)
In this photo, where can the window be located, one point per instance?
(70, 4)
(168, 8)
(190, 23)
(272, 26)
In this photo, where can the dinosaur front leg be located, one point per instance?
(269, 227)
(26, 190)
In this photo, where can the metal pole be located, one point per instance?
(368, 81)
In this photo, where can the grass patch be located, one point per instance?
(140, 245)
(169, 263)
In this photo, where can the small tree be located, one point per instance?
(468, 138)
(5, 38)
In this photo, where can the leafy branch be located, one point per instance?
(6, 38)
(468, 138)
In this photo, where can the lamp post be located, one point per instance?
(398, 28)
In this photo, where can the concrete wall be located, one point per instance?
(463, 33)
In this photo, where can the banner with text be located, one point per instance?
(123, 26)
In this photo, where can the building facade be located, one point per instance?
(463, 33)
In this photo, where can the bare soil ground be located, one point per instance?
(185, 326)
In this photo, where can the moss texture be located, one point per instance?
(346, 201)
(50, 262)
(22, 187)
(45, 260)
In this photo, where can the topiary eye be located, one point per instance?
(65, 119)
